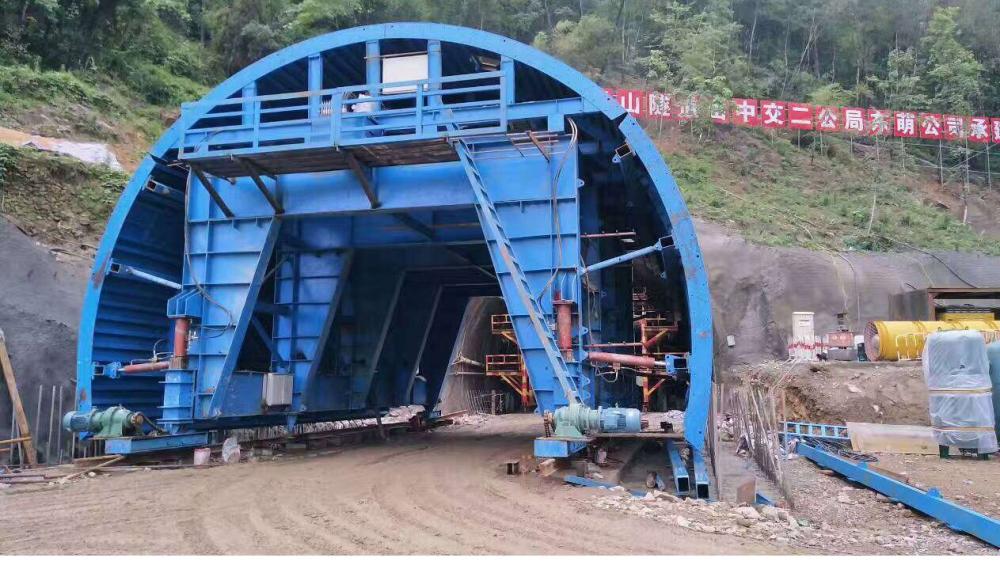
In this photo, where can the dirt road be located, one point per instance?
(442, 492)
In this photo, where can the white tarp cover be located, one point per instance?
(97, 153)
(957, 373)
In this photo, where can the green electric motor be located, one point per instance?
(113, 422)
(575, 420)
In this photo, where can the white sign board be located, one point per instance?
(403, 69)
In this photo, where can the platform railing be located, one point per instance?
(452, 106)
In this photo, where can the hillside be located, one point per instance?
(781, 190)
(773, 188)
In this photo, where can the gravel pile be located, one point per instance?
(862, 524)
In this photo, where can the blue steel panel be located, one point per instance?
(930, 502)
(125, 446)
(308, 286)
(551, 448)
(524, 205)
(227, 259)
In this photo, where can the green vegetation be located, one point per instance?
(57, 199)
(777, 194)
(116, 70)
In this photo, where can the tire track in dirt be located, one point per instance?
(442, 492)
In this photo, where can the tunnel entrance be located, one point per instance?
(309, 237)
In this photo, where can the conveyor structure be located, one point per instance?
(300, 245)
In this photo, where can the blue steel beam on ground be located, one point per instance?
(700, 474)
(957, 517)
(125, 446)
(587, 482)
(681, 480)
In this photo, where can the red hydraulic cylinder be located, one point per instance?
(144, 367)
(179, 361)
(181, 328)
(624, 359)
(564, 326)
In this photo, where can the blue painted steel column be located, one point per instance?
(682, 480)
(434, 69)
(507, 67)
(315, 80)
(249, 92)
(373, 66)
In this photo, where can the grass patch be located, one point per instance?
(56, 199)
(820, 197)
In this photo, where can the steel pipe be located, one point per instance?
(143, 367)
(625, 359)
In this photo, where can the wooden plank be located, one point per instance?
(892, 439)
(15, 398)
(115, 459)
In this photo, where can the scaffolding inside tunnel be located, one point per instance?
(303, 244)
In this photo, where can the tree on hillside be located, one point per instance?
(696, 50)
(587, 45)
(902, 86)
(953, 74)
(244, 31)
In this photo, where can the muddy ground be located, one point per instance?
(442, 492)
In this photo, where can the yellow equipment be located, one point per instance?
(904, 339)
(952, 316)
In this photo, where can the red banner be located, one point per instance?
(800, 116)
(930, 125)
(954, 127)
(979, 129)
(904, 124)
(720, 111)
(774, 114)
(879, 122)
(659, 105)
(745, 112)
(854, 120)
(828, 118)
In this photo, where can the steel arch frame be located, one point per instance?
(671, 205)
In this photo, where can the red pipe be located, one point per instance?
(564, 325)
(611, 345)
(650, 343)
(623, 359)
(144, 367)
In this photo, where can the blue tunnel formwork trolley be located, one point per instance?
(301, 244)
